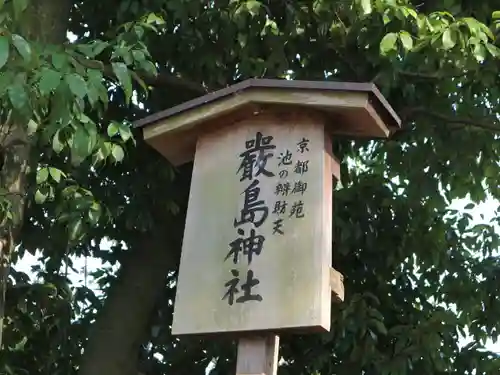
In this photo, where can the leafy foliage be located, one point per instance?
(419, 275)
(61, 93)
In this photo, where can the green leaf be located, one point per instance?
(32, 127)
(60, 112)
(18, 96)
(496, 15)
(42, 175)
(99, 46)
(77, 85)
(253, 7)
(57, 145)
(92, 94)
(94, 213)
(20, 345)
(379, 325)
(93, 49)
(242, 39)
(40, 197)
(59, 60)
(406, 40)
(113, 129)
(81, 146)
(479, 52)
(118, 153)
(385, 18)
(149, 67)
(473, 24)
(49, 81)
(125, 132)
(75, 229)
(86, 49)
(388, 43)
(154, 19)
(138, 56)
(98, 156)
(366, 5)
(123, 75)
(493, 50)
(122, 53)
(139, 31)
(22, 47)
(19, 7)
(4, 50)
(487, 31)
(56, 174)
(270, 28)
(95, 76)
(92, 132)
(412, 13)
(449, 39)
(96, 89)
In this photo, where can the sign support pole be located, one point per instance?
(258, 355)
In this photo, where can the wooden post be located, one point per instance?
(258, 355)
(257, 247)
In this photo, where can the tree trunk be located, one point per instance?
(45, 21)
(118, 331)
(15, 150)
(120, 326)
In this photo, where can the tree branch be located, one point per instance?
(436, 75)
(162, 79)
(466, 121)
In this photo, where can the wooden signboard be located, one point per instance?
(256, 254)
(258, 229)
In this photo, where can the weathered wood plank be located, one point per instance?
(258, 355)
(337, 285)
(293, 265)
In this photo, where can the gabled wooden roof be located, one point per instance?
(350, 109)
